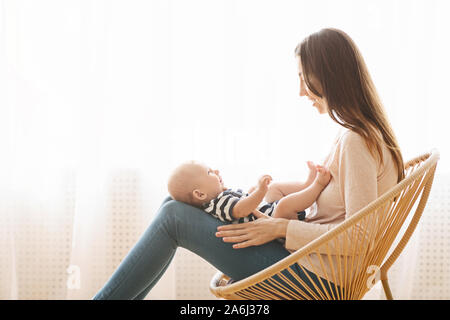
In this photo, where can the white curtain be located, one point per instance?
(100, 99)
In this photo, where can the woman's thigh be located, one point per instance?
(195, 230)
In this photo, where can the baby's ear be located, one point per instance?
(199, 195)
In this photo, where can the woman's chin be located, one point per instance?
(319, 108)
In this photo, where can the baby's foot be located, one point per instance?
(312, 172)
(323, 176)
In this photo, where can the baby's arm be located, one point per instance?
(298, 201)
(278, 190)
(248, 204)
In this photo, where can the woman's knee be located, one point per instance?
(186, 223)
(174, 210)
(177, 216)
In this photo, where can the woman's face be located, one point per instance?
(319, 103)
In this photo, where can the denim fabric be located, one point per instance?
(179, 225)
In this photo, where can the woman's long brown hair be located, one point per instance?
(331, 60)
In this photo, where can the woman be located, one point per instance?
(364, 163)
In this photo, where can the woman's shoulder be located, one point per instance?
(352, 148)
(347, 142)
(350, 138)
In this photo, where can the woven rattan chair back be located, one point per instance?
(354, 255)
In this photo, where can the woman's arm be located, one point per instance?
(357, 179)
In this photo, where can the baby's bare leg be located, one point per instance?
(299, 201)
(278, 190)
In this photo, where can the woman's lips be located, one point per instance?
(314, 102)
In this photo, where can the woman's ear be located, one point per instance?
(199, 195)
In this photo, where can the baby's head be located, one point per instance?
(195, 183)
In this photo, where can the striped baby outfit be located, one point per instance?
(222, 206)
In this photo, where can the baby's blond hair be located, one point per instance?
(182, 182)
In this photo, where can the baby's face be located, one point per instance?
(209, 180)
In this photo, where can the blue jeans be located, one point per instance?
(179, 225)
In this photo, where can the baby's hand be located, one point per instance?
(264, 181)
(312, 172)
(323, 175)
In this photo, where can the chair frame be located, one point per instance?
(419, 171)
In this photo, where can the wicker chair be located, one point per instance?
(354, 258)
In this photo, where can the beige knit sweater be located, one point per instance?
(356, 180)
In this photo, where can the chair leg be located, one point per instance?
(387, 290)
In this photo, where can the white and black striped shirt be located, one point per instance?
(222, 206)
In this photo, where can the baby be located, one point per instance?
(200, 186)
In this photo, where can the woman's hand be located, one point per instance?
(254, 233)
